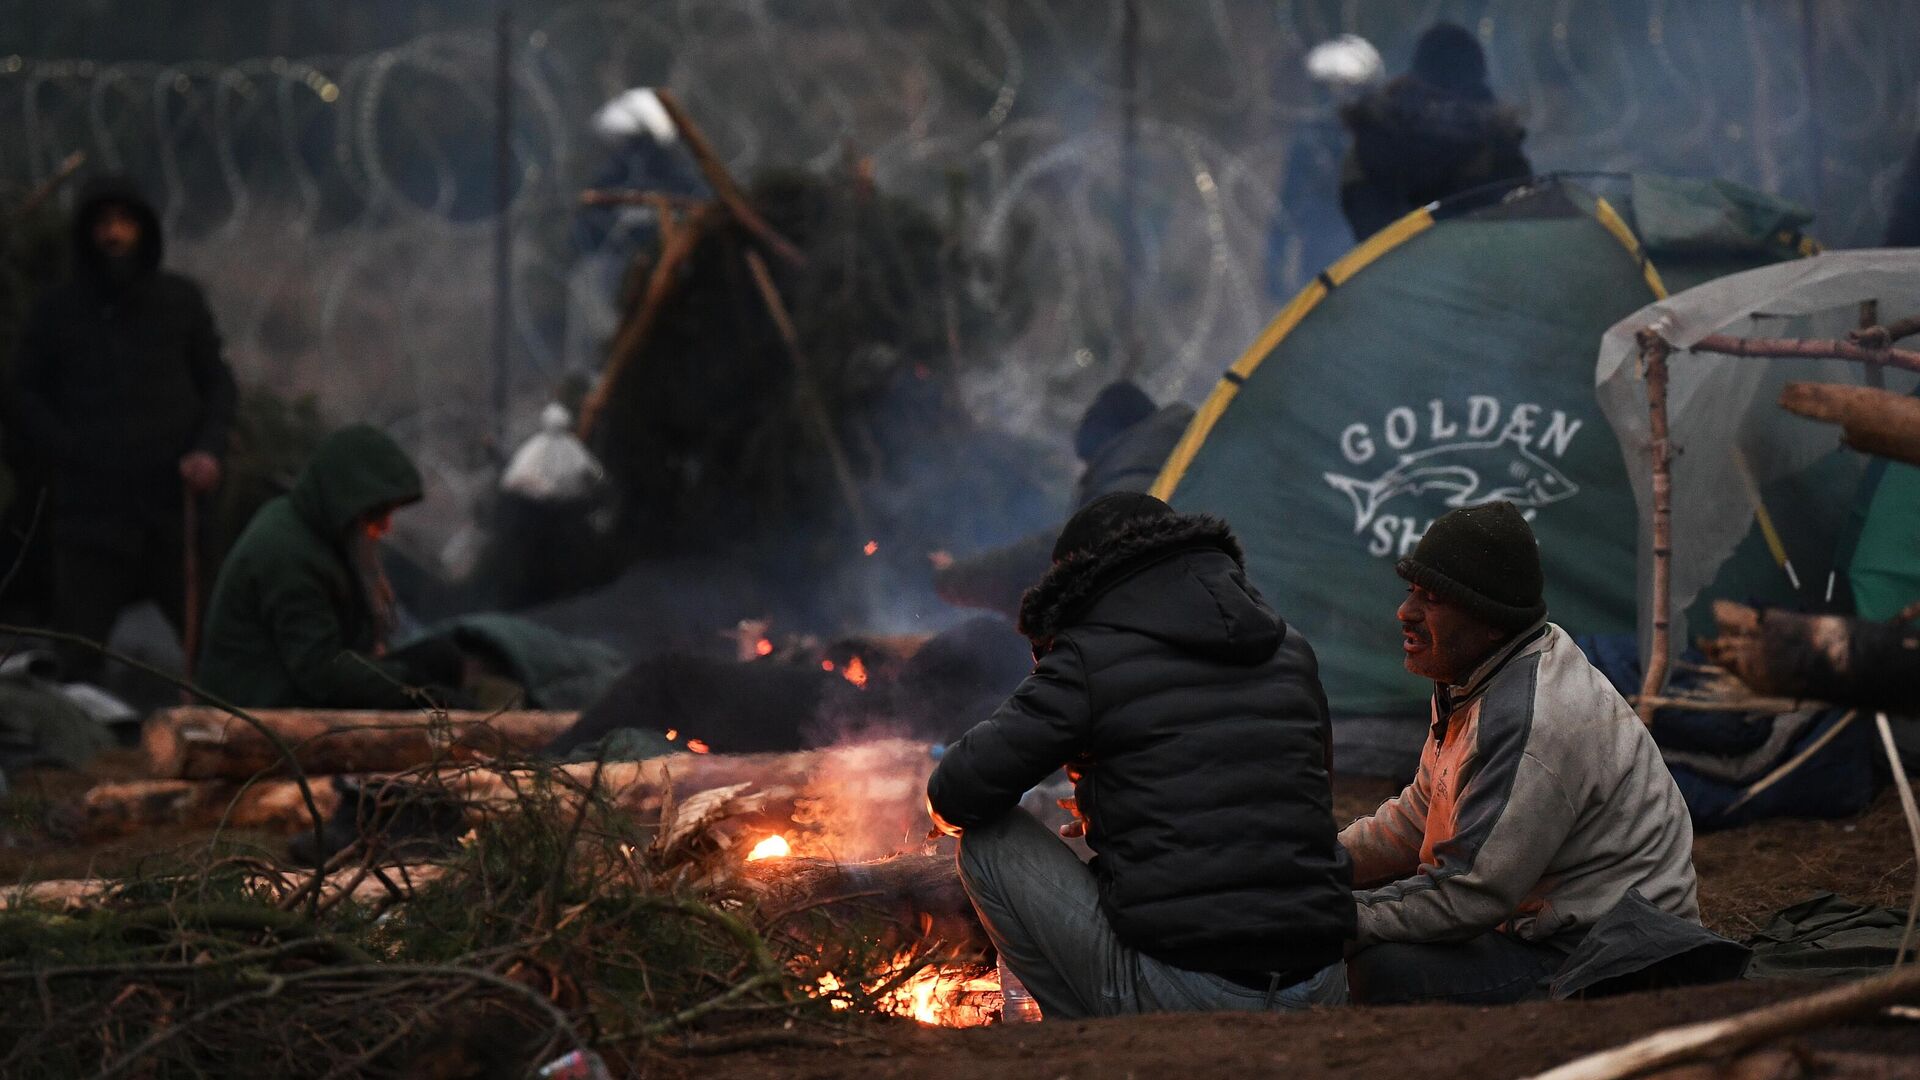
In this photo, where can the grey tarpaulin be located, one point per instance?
(1638, 947)
(1722, 409)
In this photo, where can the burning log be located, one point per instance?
(1819, 657)
(920, 896)
(200, 743)
(1876, 422)
(856, 801)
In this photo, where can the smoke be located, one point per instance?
(340, 209)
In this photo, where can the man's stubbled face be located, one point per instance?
(116, 232)
(1442, 641)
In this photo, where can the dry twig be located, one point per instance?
(1913, 827)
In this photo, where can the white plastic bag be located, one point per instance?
(553, 465)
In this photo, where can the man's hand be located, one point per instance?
(201, 471)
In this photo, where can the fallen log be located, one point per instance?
(356, 883)
(917, 897)
(201, 743)
(851, 802)
(108, 810)
(1877, 422)
(857, 801)
(1827, 658)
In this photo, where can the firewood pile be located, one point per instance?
(628, 909)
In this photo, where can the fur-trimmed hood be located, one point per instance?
(1181, 579)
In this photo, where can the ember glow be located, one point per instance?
(672, 734)
(763, 647)
(826, 665)
(856, 673)
(773, 847)
(696, 746)
(872, 546)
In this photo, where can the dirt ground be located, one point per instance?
(1745, 875)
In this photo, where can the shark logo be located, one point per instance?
(1470, 473)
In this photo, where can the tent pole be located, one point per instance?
(1653, 363)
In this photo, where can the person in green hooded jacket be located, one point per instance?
(301, 612)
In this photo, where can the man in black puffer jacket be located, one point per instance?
(1194, 722)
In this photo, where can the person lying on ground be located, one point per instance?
(1195, 726)
(1123, 441)
(301, 612)
(1540, 799)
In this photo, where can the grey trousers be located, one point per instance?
(1041, 907)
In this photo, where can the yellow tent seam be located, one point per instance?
(1610, 219)
(1283, 324)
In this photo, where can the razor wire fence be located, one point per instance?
(341, 209)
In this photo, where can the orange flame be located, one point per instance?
(826, 665)
(831, 984)
(872, 546)
(672, 734)
(773, 847)
(934, 995)
(763, 647)
(696, 746)
(856, 673)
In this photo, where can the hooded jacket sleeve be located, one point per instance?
(308, 640)
(1512, 815)
(1044, 725)
(1386, 845)
(211, 376)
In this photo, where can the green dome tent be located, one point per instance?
(1445, 362)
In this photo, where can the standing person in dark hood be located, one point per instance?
(1429, 134)
(1192, 720)
(301, 614)
(121, 394)
(1124, 440)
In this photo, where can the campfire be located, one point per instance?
(910, 984)
(936, 995)
(773, 847)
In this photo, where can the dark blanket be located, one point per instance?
(1717, 758)
(1639, 947)
(1826, 937)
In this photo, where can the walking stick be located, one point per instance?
(190, 612)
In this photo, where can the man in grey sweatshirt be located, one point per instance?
(1540, 799)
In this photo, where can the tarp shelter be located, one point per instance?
(1446, 362)
(1728, 430)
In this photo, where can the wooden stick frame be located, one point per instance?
(1872, 346)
